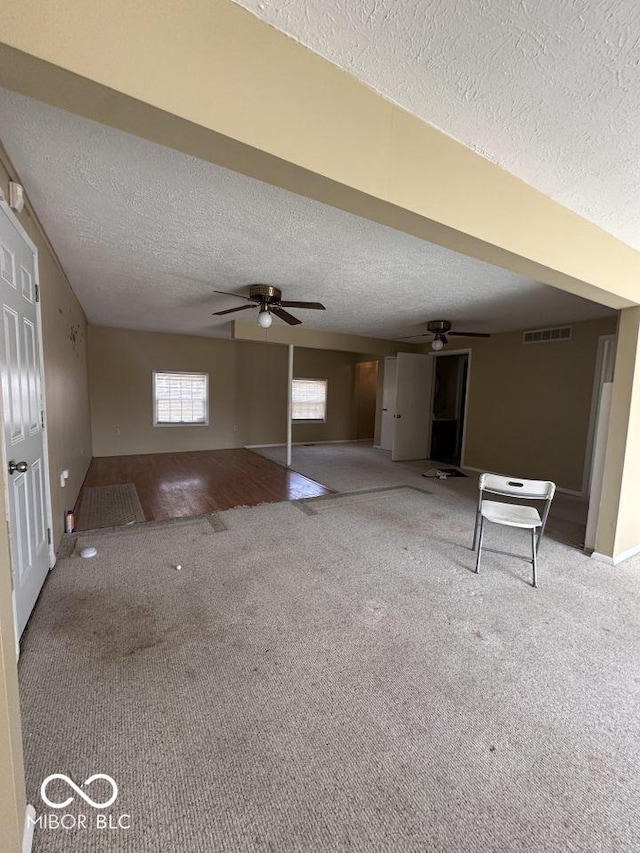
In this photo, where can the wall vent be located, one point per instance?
(544, 336)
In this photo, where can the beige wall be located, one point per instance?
(12, 793)
(65, 367)
(247, 395)
(340, 369)
(247, 391)
(529, 405)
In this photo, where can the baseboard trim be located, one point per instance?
(602, 558)
(29, 826)
(618, 558)
(309, 443)
(573, 492)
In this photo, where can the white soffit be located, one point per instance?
(547, 89)
(145, 233)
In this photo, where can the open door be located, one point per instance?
(412, 416)
(24, 451)
(595, 463)
(388, 403)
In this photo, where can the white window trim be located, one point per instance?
(158, 423)
(326, 401)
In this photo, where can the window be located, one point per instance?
(309, 400)
(180, 398)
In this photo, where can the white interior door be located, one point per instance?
(597, 472)
(388, 403)
(597, 438)
(605, 365)
(412, 416)
(23, 414)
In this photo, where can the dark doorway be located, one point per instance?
(366, 388)
(449, 401)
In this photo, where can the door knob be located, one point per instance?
(18, 466)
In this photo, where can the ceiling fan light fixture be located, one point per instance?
(440, 329)
(264, 318)
(269, 300)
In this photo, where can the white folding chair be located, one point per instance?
(513, 514)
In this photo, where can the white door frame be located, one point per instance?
(440, 354)
(4, 207)
(383, 391)
(598, 380)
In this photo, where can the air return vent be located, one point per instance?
(546, 336)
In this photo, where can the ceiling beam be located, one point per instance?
(209, 79)
(280, 333)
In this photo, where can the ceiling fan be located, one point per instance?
(440, 329)
(269, 299)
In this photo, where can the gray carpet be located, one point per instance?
(357, 466)
(109, 506)
(339, 681)
(348, 467)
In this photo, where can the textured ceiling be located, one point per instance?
(548, 89)
(144, 234)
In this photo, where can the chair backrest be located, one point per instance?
(530, 490)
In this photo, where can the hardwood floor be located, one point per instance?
(175, 485)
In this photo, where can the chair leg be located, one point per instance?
(534, 554)
(479, 554)
(475, 531)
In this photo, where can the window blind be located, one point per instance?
(309, 400)
(181, 398)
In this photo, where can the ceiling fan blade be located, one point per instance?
(469, 334)
(233, 310)
(315, 306)
(406, 337)
(284, 315)
(237, 295)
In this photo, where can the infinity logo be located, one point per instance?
(79, 791)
